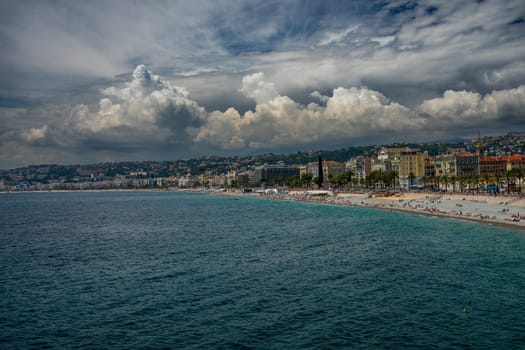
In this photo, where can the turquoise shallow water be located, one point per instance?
(176, 270)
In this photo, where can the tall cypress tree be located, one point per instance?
(320, 177)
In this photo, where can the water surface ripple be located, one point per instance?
(177, 270)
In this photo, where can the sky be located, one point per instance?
(97, 81)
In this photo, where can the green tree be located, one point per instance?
(307, 180)
(427, 180)
(436, 182)
(453, 181)
(509, 175)
(444, 179)
(375, 179)
(343, 179)
(518, 174)
(411, 177)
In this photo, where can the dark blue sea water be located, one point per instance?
(176, 270)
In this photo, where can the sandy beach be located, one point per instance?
(507, 211)
(498, 210)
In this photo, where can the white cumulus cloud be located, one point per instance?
(465, 108)
(144, 108)
(148, 115)
(254, 87)
(35, 134)
(349, 113)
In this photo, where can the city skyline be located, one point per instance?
(119, 81)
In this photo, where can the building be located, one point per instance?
(391, 159)
(243, 178)
(395, 164)
(492, 166)
(330, 168)
(445, 165)
(230, 177)
(360, 166)
(515, 162)
(430, 168)
(302, 170)
(187, 181)
(391, 153)
(467, 164)
(272, 172)
(355, 165)
(220, 180)
(383, 165)
(382, 154)
(412, 168)
(207, 179)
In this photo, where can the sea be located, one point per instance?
(172, 270)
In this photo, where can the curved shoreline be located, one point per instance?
(489, 222)
(477, 208)
(488, 210)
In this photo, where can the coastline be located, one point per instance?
(503, 211)
(496, 211)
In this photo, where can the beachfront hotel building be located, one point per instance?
(492, 166)
(391, 157)
(391, 153)
(302, 170)
(230, 177)
(187, 180)
(498, 166)
(516, 162)
(467, 164)
(270, 172)
(360, 166)
(243, 178)
(384, 165)
(330, 168)
(445, 165)
(412, 167)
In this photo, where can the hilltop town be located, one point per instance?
(491, 164)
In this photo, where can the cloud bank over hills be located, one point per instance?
(149, 113)
(162, 80)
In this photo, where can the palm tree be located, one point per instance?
(497, 179)
(426, 180)
(453, 180)
(461, 183)
(486, 181)
(516, 175)
(444, 178)
(342, 179)
(465, 182)
(350, 175)
(435, 179)
(374, 178)
(475, 178)
(392, 179)
(307, 179)
(395, 176)
(470, 182)
(339, 180)
(411, 177)
(314, 180)
(520, 173)
(508, 176)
